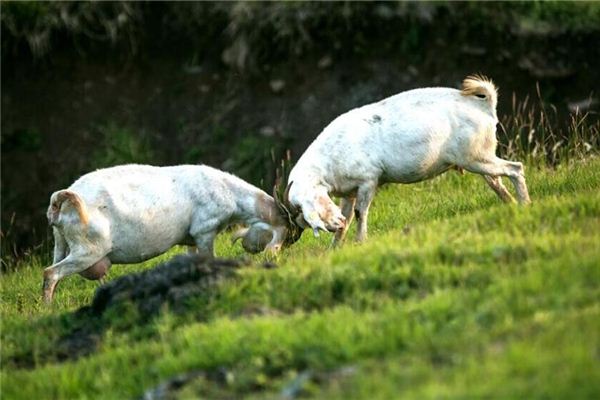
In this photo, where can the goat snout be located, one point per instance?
(336, 223)
(275, 248)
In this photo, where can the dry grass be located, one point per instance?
(538, 134)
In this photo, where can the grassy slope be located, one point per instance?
(454, 295)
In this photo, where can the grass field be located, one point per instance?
(455, 295)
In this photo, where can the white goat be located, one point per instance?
(406, 138)
(131, 213)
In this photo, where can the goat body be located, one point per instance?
(131, 213)
(406, 138)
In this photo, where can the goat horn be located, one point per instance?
(293, 210)
(282, 205)
(286, 194)
(276, 195)
(240, 233)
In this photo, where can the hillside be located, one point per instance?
(454, 295)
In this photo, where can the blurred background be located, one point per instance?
(234, 84)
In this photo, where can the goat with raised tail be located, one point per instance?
(406, 138)
(131, 213)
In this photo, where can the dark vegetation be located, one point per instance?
(234, 84)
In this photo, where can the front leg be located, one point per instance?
(364, 196)
(205, 243)
(347, 206)
(204, 233)
(192, 250)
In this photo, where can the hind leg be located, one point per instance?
(495, 182)
(517, 177)
(496, 167)
(364, 197)
(77, 261)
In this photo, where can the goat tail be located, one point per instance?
(479, 85)
(75, 200)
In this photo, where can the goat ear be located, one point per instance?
(327, 208)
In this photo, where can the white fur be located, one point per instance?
(406, 138)
(137, 212)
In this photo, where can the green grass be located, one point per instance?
(454, 295)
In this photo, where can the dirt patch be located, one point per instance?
(133, 300)
(172, 283)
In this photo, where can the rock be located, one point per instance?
(325, 62)
(267, 131)
(412, 70)
(473, 50)
(540, 68)
(167, 388)
(295, 388)
(192, 69)
(384, 11)
(277, 85)
(298, 386)
(237, 54)
(526, 27)
(582, 106)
